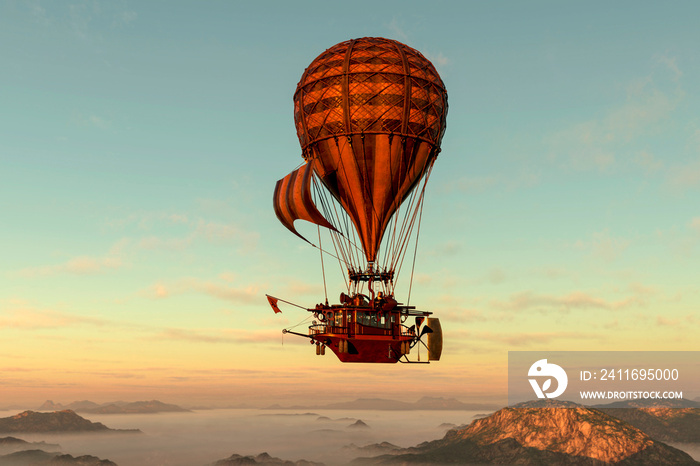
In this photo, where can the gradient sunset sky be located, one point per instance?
(140, 143)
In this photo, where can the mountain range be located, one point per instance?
(117, 407)
(43, 458)
(542, 433)
(13, 444)
(56, 422)
(426, 403)
(651, 403)
(264, 459)
(665, 424)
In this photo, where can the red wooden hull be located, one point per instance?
(365, 348)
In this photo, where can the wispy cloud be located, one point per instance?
(26, 317)
(695, 224)
(297, 287)
(226, 233)
(684, 176)
(84, 18)
(147, 220)
(220, 336)
(397, 30)
(438, 60)
(679, 322)
(602, 143)
(462, 315)
(80, 16)
(38, 12)
(552, 273)
(608, 247)
(603, 245)
(189, 231)
(474, 183)
(98, 121)
(124, 18)
(168, 244)
(496, 276)
(226, 291)
(524, 339)
(648, 162)
(448, 248)
(672, 64)
(21, 315)
(81, 265)
(572, 301)
(524, 178)
(193, 336)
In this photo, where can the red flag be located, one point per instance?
(273, 303)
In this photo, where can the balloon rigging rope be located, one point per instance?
(394, 193)
(323, 269)
(342, 225)
(407, 236)
(341, 244)
(399, 250)
(302, 322)
(391, 244)
(415, 251)
(348, 253)
(341, 168)
(399, 245)
(404, 232)
(320, 195)
(418, 205)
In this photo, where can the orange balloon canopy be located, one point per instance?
(370, 115)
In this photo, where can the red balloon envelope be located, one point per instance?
(370, 115)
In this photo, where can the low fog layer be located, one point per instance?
(202, 437)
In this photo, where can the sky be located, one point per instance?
(140, 143)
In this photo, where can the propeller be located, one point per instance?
(423, 331)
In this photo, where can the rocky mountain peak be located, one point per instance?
(573, 431)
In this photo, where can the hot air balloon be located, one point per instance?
(370, 115)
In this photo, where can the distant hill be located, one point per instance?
(12, 407)
(665, 424)
(536, 435)
(42, 458)
(75, 406)
(359, 424)
(664, 420)
(137, 407)
(117, 407)
(682, 403)
(59, 421)
(13, 444)
(373, 449)
(371, 404)
(381, 404)
(263, 458)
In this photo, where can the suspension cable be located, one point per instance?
(323, 269)
(415, 251)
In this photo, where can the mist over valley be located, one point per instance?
(353, 436)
